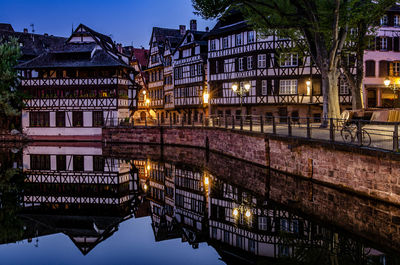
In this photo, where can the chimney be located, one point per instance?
(46, 35)
(182, 29)
(193, 25)
(207, 29)
(119, 47)
(25, 30)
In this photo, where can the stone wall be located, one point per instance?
(248, 146)
(374, 176)
(367, 172)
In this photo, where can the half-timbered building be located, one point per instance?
(162, 43)
(190, 83)
(281, 82)
(75, 90)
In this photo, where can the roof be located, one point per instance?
(163, 34)
(6, 27)
(141, 55)
(102, 37)
(33, 45)
(60, 59)
(230, 22)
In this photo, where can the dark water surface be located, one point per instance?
(70, 203)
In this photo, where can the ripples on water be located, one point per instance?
(88, 204)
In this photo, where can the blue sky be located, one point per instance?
(128, 21)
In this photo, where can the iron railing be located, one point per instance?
(356, 132)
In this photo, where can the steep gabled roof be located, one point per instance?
(90, 31)
(6, 27)
(162, 34)
(232, 21)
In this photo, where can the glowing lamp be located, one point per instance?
(206, 98)
(248, 213)
(235, 212)
(387, 82)
(234, 87)
(247, 86)
(206, 181)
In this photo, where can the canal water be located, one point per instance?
(84, 203)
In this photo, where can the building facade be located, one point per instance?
(75, 90)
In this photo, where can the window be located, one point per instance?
(262, 60)
(343, 86)
(384, 43)
(396, 68)
(61, 161)
(225, 43)
(284, 225)
(199, 69)
(39, 119)
(78, 163)
(252, 246)
(289, 59)
(238, 39)
(98, 163)
(214, 232)
(262, 223)
(384, 20)
(239, 241)
(226, 236)
(288, 87)
(213, 45)
(77, 118)
(249, 62)
(370, 68)
(192, 70)
(250, 37)
(60, 119)
(396, 21)
(264, 90)
(241, 64)
(40, 162)
(97, 118)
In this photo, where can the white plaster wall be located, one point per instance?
(88, 163)
(52, 119)
(87, 119)
(68, 131)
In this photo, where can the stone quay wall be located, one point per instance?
(366, 172)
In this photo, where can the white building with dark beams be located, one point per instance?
(277, 75)
(73, 91)
(190, 67)
(160, 85)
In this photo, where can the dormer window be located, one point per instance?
(384, 20)
(396, 21)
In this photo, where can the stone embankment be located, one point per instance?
(367, 172)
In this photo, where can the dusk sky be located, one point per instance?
(128, 21)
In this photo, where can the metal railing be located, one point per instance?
(356, 132)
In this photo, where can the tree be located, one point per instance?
(322, 24)
(10, 98)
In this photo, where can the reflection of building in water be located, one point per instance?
(76, 191)
(237, 223)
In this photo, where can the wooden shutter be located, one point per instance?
(221, 66)
(268, 60)
(390, 44)
(255, 62)
(396, 45)
(377, 43)
(370, 68)
(258, 87)
(236, 64)
(276, 86)
(383, 68)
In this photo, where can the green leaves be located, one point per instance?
(10, 99)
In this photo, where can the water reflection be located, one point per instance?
(246, 213)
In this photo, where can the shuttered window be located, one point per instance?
(60, 119)
(77, 118)
(383, 69)
(97, 119)
(370, 68)
(40, 162)
(39, 119)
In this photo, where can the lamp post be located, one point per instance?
(241, 89)
(395, 87)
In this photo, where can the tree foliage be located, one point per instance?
(322, 24)
(10, 98)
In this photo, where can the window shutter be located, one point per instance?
(268, 60)
(377, 43)
(258, 87)
(269, 87)
(254, 62)
(236, 64)
(383, 68)
(396, 44)
(221, 66)
(390, 44)
(245, 63)
(276, 86)
(370, 68)
(276, 60)
(390, 20)
(212, 67)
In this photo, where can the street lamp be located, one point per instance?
(241, 209)
(206, 98)
(395, 87)
(241, 89)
